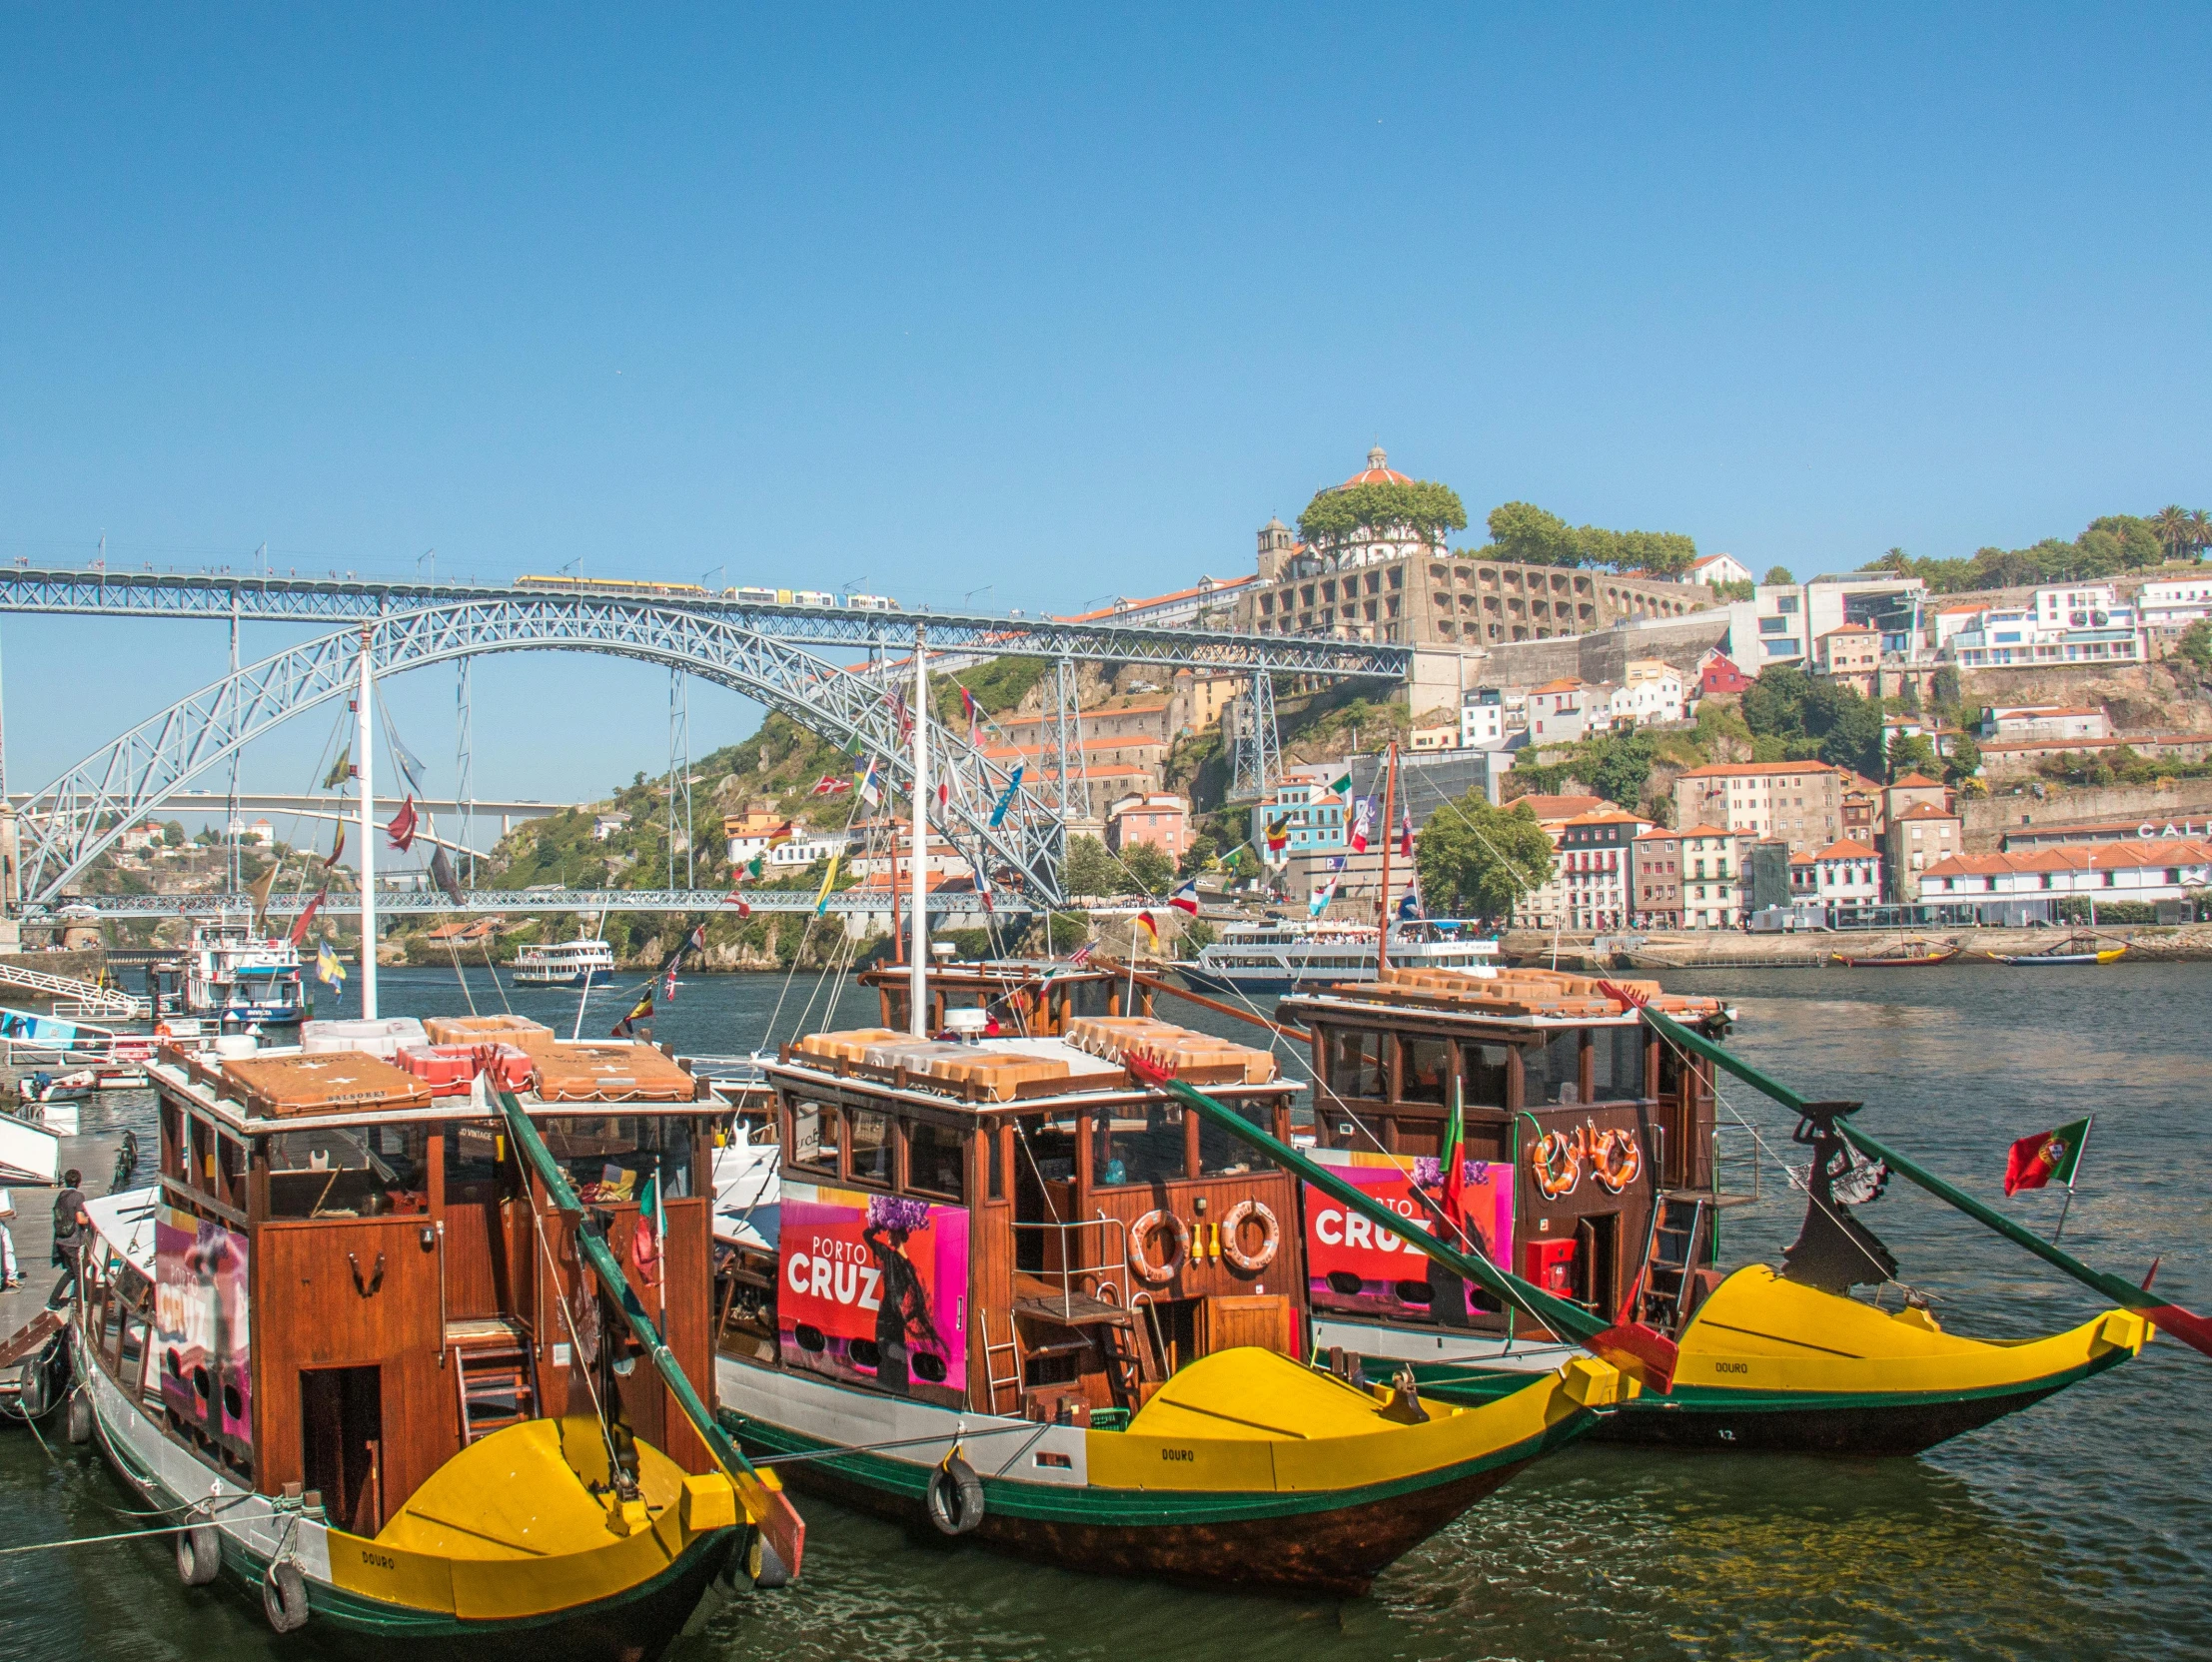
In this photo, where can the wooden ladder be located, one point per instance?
(494, 1381)
(1012, 1347)
(1678, 1230)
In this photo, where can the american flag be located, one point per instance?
(1081, 955)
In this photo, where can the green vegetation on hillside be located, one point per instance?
(2112, 546)
(1336, 515)
(1525, 532)
(1477, 861)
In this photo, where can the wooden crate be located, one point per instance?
(330, 1081)
(603, 1071)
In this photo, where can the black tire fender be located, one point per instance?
(955, 1496)
(284, 1597)
(79, 1415)
(199, 1552)
(764, 1564)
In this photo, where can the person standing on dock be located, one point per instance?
(10, 1275)
(72, 1228)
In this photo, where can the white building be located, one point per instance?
(1559, 711)
(1493, 718)
(1847, 873)
(1650, 690)
(606, 825)
(2163, 868)
(1783, 620)
(2045, 722)
(805, 847)
(1593, 864)
(2060, 624)
(2174, 603)
(1718, 568)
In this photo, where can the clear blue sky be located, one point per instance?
(1057, 304)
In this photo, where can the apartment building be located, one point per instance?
(1796, 803)
(1921, 836)
(1592, 873)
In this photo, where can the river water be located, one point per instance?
(2080, 1527)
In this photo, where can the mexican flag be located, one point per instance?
(1341, 785)
(2048, 1157)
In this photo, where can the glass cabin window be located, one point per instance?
(1356, 1065)
(1484, 1066)
(937, 1159)
(1221, 1154)
(1422, 1066)
(367, 1171)
(474, 1160)
(1547, 1068)
(1138, 1147)
(1616, 1063)
(608, 1157)
(815, 1140)
(871, 1147)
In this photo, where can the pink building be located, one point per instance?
(1163, 821)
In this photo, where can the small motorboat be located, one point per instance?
(2076, 949)
(1911, 952)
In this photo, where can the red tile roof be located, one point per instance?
(2149, 851)
(1915, 782)
(1559, 807)
(1922, 810)
(1723, 770)
(1845, 849)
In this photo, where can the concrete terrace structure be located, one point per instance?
(1389, 584)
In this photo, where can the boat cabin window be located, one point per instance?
(1482, 1067)
(815, 1139)
(1138, 1144)
(1552, 1072)
(1050, 1145)
(1222, 1155)
(475, 1167)
(1356, 1065)
(871, 1147)
(1616, 1063)
(608, 1157)
(349, 1172)
(1423, 1064)
(937, 1159)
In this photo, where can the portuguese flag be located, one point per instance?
(2046, 1158)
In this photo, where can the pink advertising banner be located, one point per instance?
(1352, 1264)
(201, 1324)
(873, 1287)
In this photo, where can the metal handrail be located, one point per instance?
(1109, 1272)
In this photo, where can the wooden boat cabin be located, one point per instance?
(1588, 1165)
(352, 1279)
(1032, 998)
(1014, 1226)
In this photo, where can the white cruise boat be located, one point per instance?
(578, 963)
(233, 973)
(1280, 956)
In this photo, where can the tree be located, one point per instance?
(1741, 589)
(1624, 769)
(1481, 862)
(1943, 688)
(1911, 753)
(1199, 857)
(2196, 645)
(2172, 526)
(1525, 532)
(173, 834)
(1339, 515)
(1964, 760)
(1090, 870)
(1777, 574)
(1197, 936)
(1150, 870)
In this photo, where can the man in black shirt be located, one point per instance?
(72, 1230)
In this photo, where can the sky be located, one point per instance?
(1030, 307)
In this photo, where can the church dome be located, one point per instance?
(1376, 472)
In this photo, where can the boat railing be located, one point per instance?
(1736, 1166)
(1063, 1259)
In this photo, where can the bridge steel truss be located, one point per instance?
(102, 594)
(1007, 827)
(432, 903)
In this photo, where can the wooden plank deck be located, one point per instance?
(33, 1224)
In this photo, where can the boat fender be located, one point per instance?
(199, 1551)
(955, 1496)
(80, 1416)
(764, 1564)
(1557, 1163)
(1232, 1227)
(284, 1597)
(1157, 1219)
(1615, 1160)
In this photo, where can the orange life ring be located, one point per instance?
(1144, 1267)
(1557, 1162)
(1616, 1177)
(1232, 1226)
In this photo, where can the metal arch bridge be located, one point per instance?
(217, 598)
(1001, 824)
(432, 903)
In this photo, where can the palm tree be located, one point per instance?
(2173, 526)
(2200, 533)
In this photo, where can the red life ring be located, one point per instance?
(1232, 1225)
(1159, 1273)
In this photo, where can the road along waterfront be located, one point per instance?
(2080, 1527)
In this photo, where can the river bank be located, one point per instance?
(1711, 949)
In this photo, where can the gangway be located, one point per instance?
(90, 997)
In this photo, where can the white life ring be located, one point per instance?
(1232, 1227)
(1162, 1273)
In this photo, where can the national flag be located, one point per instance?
(340, 770)
(1405, 833)
(1277, 834)
(645, 1241)
(899, 714)
(1081, 955)
(698, 940)
(1363, 823)
(1006, 798)
(401, 828)
(327, 969)
(1342, 785)
(668, 984)
(832, 784)
(1409, 905)
(409, 766)
(2046, 1158)
(871, 784)
(1148, 928)
(974, 713)
(1185, 899)
(307, 915)
(338, 847)
(829, 882)
(755, 866)
(442, 874)
(641, 1012)
(1321, 896)
(779, 836)
(737, 898)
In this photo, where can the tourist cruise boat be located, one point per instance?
(231, 973)
(578, 963)
(1281, 957)
(338, 1346)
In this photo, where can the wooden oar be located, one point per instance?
(2192, 1330)
(1639, 1351)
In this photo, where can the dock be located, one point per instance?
(33, 1227)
